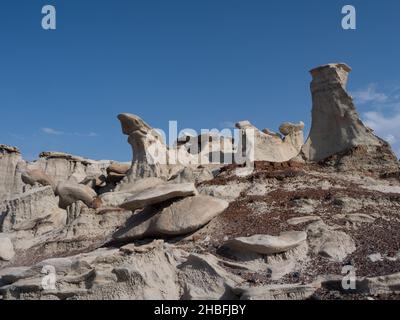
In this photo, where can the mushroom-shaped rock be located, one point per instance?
(159, 194)
(181, 217)
(6, 248)
(266, 244)
(70, 192)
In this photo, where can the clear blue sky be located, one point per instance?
(203, 63)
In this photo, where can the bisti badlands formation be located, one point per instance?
(179, 223)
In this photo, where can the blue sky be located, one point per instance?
(204, 63)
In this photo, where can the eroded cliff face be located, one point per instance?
(336, 125)
(10, 176)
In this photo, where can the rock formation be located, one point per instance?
(336, 125)
(175, 224)
(270, 146)
(10, 177)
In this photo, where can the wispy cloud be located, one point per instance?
(369, 95)
(383, 115)
(51, 131)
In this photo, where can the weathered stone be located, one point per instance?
(336, 126)
(34, 176)
(27, 210)
(70, 192)
(159, 194)
(6, 248)
(120, 168)
(327, 242)
(10, 177)
(181, 217)
(268, 146)
(265, 244)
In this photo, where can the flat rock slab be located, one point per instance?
(266, 244)
(159, 194)
(301, 220)
(182, 217)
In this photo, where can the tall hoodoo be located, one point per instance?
(336, 126)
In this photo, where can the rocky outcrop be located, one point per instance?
(336, 125)
(269, 146)
(33, 209)
(65, 167)
(10, 176)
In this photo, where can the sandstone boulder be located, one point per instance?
(117, 198)
(34, 176)
(265, 244)
(6, 248)
(182, 217)
(70, 192)
(159, 194)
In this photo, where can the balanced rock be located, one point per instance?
(269, 146)
(6, 248)
(181, 217)
(70, 192)
(159, 194)
(266, 244)
(117, 198)
(336, 125)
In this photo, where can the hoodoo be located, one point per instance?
(336, 125)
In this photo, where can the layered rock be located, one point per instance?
(151, 156)
(10, 176)
(63, 167)
(27, 210)
(336, 125)
(269, 146)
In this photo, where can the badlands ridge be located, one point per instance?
(279, 222)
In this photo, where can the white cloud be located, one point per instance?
(52, 131)
(387, 127)
(369, 95)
